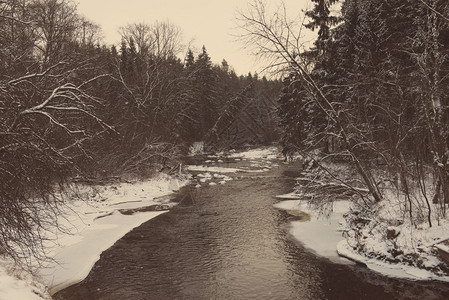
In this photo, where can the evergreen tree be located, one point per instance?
(190, 59)
(322, 20)
(205, 80)
(324, 67)
(124, 57)
(225, 66)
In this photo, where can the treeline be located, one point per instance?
(374, 91)
(72, 107)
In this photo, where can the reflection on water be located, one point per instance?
(229, 242)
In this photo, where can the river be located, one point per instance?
(227, 241)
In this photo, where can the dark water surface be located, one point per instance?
(229, 242)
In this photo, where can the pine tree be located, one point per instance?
(133, 62)
(124, 57)
(324, 69)
(321, 19)
(190, 59)
(225, 66)
(205, 81)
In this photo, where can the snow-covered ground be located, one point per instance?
(17, 284)
(265, 153)
(323, 235)
(91, 227)
(96, 224)
(319, 233)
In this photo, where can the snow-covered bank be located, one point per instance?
(261, 153)
(392, 244)
(323, 235)
(389, 269)
(74, 260)
(89, 228)
(318, 233)
(96, 225)
(18, 284)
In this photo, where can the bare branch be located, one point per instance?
(434, 10)
(30, 76)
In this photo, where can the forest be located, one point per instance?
(371, 94)
(73, 109)
(366, 104)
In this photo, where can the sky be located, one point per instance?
(211, 23)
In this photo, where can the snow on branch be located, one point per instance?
(434, 10)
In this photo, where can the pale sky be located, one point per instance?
(206, 22)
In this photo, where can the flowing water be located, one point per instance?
(229, 242)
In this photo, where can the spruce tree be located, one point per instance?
(124, 57)
(322, 20)
(205, 81)
(190, 59)
(323, 72)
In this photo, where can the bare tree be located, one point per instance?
(55, 24)
(87, 32)
(167, 40)
(161, 39)
(280, 41)
(142, 36)
(41, 142)
(274, 37)
(46, 117)
(431, 63)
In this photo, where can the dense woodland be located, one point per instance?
(372, 93)
(379, 95)
(74, 108)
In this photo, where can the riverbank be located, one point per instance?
(19, 284)
(380, 237)
(227, 241)
(322, 234)
(88, 228)
(94, 226)
(111, 211)
(114, 210)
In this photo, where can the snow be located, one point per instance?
(17, 284)
(393, 270)
(322, 234)
(222, 169)
(381, 235)
(213, 175)
(98, 224)
(265, 153)
(397, 243)
(95, 225)
(211, 169)
(75, 260)
(289, 196)
(442, 247)
(212, 178)
(90, 227)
